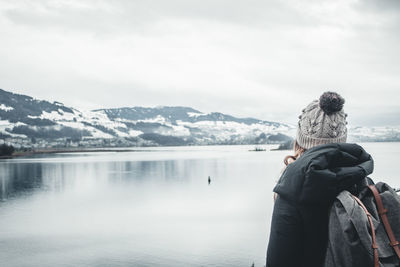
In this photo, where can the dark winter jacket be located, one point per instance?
(306, 191)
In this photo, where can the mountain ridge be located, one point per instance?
(26, 121)
(29, 122)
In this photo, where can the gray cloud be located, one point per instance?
(266, 59)
(125, 15)
(378, 6)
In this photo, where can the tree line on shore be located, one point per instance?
(6, 150)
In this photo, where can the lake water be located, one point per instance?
(151, 207)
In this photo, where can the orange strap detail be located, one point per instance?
(374, 244)
(382, 213)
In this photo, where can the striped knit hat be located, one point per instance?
(323, 121)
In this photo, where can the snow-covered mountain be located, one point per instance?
(27, 121)
(374, 134)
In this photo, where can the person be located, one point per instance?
(322, 166)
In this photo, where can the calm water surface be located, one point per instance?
(146, 208)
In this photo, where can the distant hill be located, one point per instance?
(28, 122)
(176, 114)
(25, 121)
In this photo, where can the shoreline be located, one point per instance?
(122, 149)
(83, 150)
(101, 149)
(80, 150)
(54, 151)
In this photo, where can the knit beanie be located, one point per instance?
(323, 121)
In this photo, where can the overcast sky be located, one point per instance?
(263, 59)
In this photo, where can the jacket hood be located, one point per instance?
(323, 171)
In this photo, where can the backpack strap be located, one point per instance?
(374, 244)
(382, 213)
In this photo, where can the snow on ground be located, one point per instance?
(180, 130)
(134, 133)
(208, 130)
(374, 132)
(4, 124)
(55, 116)
(158, 119)
(5, 108)
(96, 133)
(227, 128)
(196, 114)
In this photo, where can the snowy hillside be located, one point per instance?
(27, 121)
(374, 134)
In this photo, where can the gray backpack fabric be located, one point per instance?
(350, 241)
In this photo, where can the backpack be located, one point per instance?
(364, 228)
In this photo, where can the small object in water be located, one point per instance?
(257, 148)
(209, 180)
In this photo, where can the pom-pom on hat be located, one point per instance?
(323, 121)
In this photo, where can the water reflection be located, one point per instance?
(135, 209)
(27, 177)
(152, 208)
(22, 178)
